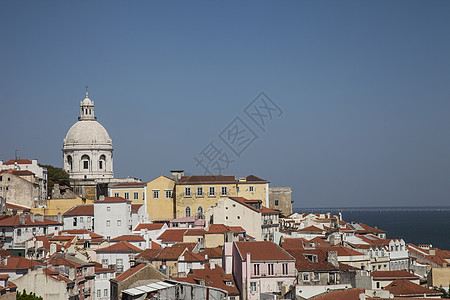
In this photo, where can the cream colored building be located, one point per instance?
(134, 191)
(195, 194)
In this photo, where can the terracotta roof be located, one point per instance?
(130, 272)
(80, 210)
(62, 238)
(79, 232)
(18, 263)
(5, 253)
(351, 294)
(129, 184)
(253, 178)
(218, 228)
(311, 228)
(112, 200)
(216, 252)
(12, 206)
(195, 179)
(172, 235)
(190, 256)
(129, 238)
(100, 269)
(149, 226)
(265, 210)
(304, 264)
(262, 250)
(61, 261)
(393, 275)
(195, 232)
(237, 229)
(293, 243)
(56, 275)
(18, 172)
(155, 245)
(22, 161)
(404, 287)
(135, 207)
(149, 254)
(343, 251)
(12, 221)
(122, 246)
(214, 277)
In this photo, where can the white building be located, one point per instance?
(101, 282)
(26, 165)
(118, 256)
(79, 217)
(87, 148)
(112, 217)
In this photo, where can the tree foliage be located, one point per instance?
(55, 175)
(25, 296)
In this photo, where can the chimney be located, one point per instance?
(32, 218)
(332, 258)
(102, 198)
(59, 218)
(362, 296)
(176, 174)
(212, 266)
(22, 219)
(52, 249)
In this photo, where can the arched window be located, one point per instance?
(200, 212)
(102, 162)
(187, 211)
(70, 162)
(85, 160)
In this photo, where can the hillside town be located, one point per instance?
(182, 236)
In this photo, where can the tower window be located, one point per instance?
(85, 164)
(100, 165)
(188, 211)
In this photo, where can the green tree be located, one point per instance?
(25, 296)
(55, 175)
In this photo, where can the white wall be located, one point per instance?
(112, 212)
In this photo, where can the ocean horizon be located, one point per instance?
(414, 224)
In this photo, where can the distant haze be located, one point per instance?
(364, 87)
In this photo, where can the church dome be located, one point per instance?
(87, 101)
(88, 133)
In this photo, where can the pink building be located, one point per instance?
(260, 267)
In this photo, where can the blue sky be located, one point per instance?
(363, 85)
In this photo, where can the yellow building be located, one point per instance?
(160, 204)
(55, 206)
(134, 191)
(194, 194)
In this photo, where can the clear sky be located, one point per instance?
(364, 87)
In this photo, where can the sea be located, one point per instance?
(417, 225)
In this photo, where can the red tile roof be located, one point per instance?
(404, 287)
(13, 221)
(129, 238)
(304, 264)
(129, 272)
(149, 226)
(294, 243)
(129, 184)
(22, 161)
(79, 232)
(216, 252)
(135, 207)
(218, 228)
(253, 178)
(122, 246)
(267, 211)
(237, 229)
(18, 263)
(61, 261)
(214, 277)
(12, 206)
(262, 250)
(80, 210)
(351, 294)
(193, 257)
(112, 200)
(312, 228)
(393, 275)
(195, 179)
(172, 235)
(195, 232)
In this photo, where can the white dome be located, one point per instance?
(87, 133)
(87, 101)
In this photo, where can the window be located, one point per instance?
(105, 262)
(270, 269)
(378, 285)
(1, 178)
(108, 223)
(305, 276)
(276, 202)
(200, 212)
(187, 211)
(105, 293)
(74, 221)
(187, 192)
(119, 222)
(251, 188)
(143, 195)
(224, 191)
(9, 178)
(116, 194)
(119, 263)
(253, 287)
(100, 164)
(99, 293)
(212, 191)
(155, 194)
(256, 269)
(280, 285)
(285, 269)
(108, 208)
(135, 195)
(127, 195)
(85, 160)
(81, 219)
(199, 191)
(168, 194)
